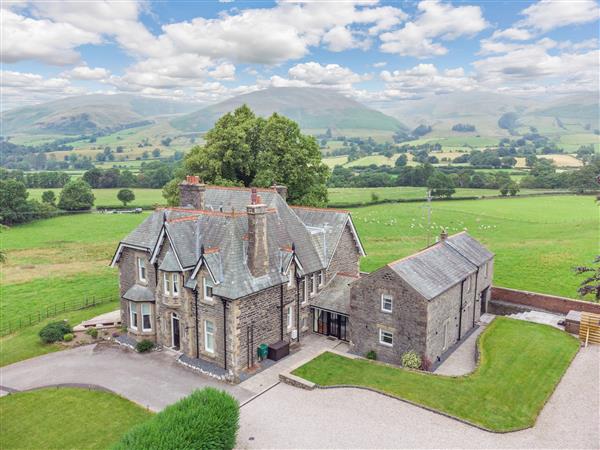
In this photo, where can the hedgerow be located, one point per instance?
(206, 419)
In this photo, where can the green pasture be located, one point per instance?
(108, 197)
(537, 240)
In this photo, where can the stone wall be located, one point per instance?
(535, 300)
(407, 322)
(346, 256)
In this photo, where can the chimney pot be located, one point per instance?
(191, 192)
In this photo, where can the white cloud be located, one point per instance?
(380, 64)
(514, 34)
(436, 21)
(24, 38)
(21, 88)
(223, 71)
(546, 15)
(341, 38)
(426, 79)
(87, 73)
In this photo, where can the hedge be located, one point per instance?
(206, 419)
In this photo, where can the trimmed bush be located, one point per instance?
(411, 360)
(144, 346)
(206, 419)
(54, 332)
(371, 354)
(68, 337)
(93, 332)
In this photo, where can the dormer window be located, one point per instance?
(167, 283)
(141, 263)
(208, 289)
(321, 277)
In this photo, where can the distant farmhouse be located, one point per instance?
(234, 268)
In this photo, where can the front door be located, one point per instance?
(175, 331)
(333, 325)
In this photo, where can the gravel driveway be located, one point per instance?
(154, 380)
(288, 417)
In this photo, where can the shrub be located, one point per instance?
(371, 354)
(144, 346)
(374, 197)
(68, 337)
(411, 360)
(93, 332)
(206, 419)
(54, 332)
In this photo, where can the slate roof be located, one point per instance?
(439, 267)
(335, 296)
(137, 293)
(221, 231)
(169, 263)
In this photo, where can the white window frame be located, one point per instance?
(302, 289)
(468, 284)
(290, 317)
(382, 342)
(166, 283)
(175, 284)
(385, 297)
(321, 278)
(133, 316)
(209, 334)
(141, 264)
(149, 314)
(206, 283)
(314, 280)
(291, 275)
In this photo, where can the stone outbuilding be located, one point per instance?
(425, 302)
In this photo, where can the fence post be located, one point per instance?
(64, 306)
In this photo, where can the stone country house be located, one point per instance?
(234, 268)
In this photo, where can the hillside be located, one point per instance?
(87, 114)
(312, 108)
(483, 109)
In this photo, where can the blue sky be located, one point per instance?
(376, 52)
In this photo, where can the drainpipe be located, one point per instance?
(155, 275)
(197, 334)
(462, 285)
(281, 313)
(298, 307)
(475, 296)
(224, 332)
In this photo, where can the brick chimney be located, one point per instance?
(281, 190)
(191, 193)
(443, 235)
(258, 254)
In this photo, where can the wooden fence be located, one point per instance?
(33, 318)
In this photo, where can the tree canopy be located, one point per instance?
(243, 149)
(76, 196)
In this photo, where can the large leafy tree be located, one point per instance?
(244, 149)
(591, 284)
(76, 196)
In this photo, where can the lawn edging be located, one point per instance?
(299, 382)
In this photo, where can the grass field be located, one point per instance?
(537, 240)
(352, 196)
(53, 261)
(66, 418)
(108, 197)
(521, 364)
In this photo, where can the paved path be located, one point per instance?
(462, 360)
(153, 380)
(287, 417)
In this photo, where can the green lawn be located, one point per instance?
(66, 418)
(537, 240)
(108, 197)
(521, 364)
